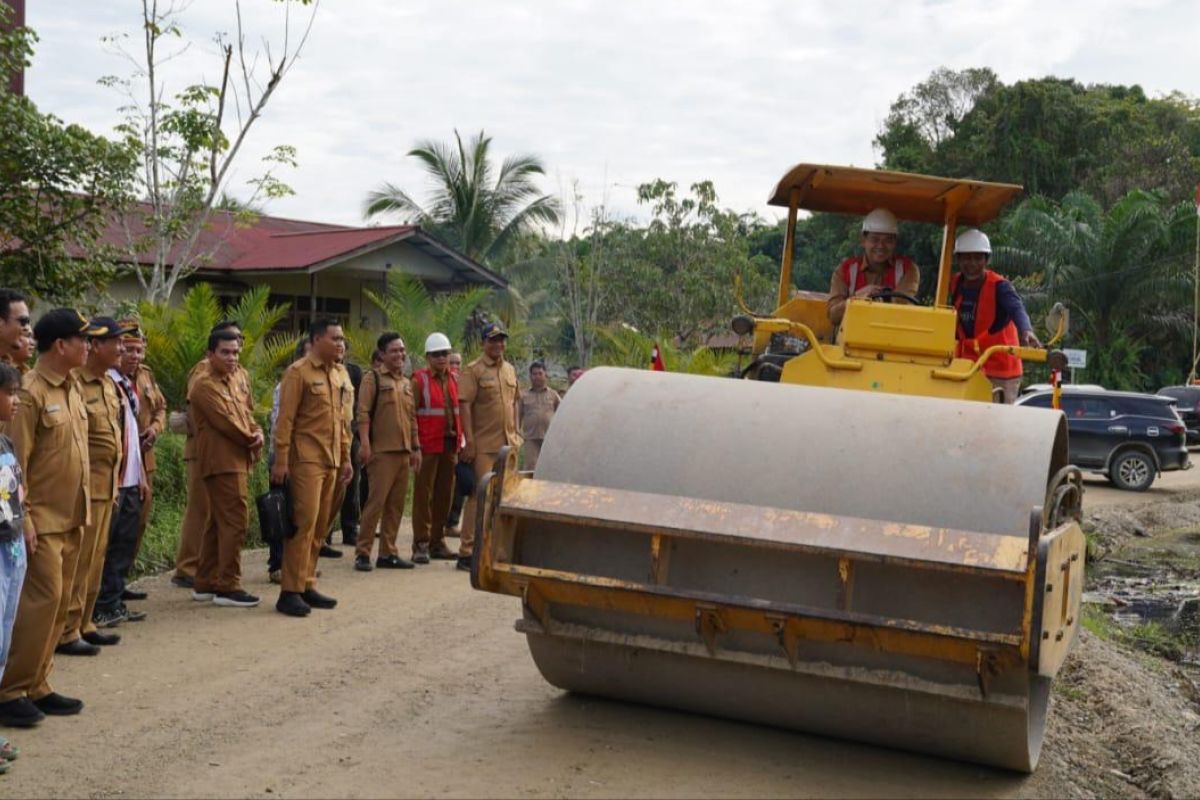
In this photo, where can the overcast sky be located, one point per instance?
(612, 93)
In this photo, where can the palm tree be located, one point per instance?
(1121, 273)
(475, 206)
(177, 338)
(414, 313)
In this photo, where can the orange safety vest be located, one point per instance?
(431, 410)
(854, 272)
(1000, 366)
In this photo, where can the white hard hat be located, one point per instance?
(879, 221)
(436, 343)
(972, 240)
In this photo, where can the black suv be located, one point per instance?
(1126, 436)
(1187, 403)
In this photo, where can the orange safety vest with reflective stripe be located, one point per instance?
(431, 410)
(854, 272)
(1000, 366)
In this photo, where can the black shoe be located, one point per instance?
(133, 594)
(102, 639)
(330, 552)
(238, 599)
(464, 563)
(108, 619)
(290, 603)
(131, 615)
(77, 648)
(317, 600)
(444, 554)
(20, 713)
(349, 537)
(420, 558)
(393, 562)
(183, 581)
(58, 705)
(363, 563)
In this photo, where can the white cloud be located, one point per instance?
(618, 91)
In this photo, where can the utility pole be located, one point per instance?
(16, 83)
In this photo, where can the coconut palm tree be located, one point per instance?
(475, 205)
(1121, 272)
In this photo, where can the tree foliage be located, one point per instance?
(177, 339)
(58, 184)
(474, 204)
(414, 312)
(189, 138)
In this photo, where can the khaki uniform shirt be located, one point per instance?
(225, 428)
(152, 411)
(241, 387)
(50, 436)
(315, 402)
(490, 388)
(394, 424)
(105, 437)
(839, 293)
(537, 409)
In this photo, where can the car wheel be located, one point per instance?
(1132, 470)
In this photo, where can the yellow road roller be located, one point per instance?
(857, 544)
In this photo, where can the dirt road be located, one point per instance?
(418, 686)
(1098, 491)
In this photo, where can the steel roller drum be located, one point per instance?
(870, 513)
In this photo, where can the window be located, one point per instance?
(298, 315)
(1082, 407)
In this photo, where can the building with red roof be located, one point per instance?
(315, 268)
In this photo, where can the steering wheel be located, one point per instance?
(887, 294)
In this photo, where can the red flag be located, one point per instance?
(656, 360)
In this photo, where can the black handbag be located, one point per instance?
(275, 514)
(464, 477)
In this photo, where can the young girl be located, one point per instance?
(12, 533)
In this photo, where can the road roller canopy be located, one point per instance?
(918, 198)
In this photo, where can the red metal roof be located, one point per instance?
(269, 244)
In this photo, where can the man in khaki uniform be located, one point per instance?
(488, 398)
(50, 436)
(80, 635)
(228, 442)
(14, 319)
(389, 448)
(537, 409)
(312, 448)
(195, 516)
(152, 417)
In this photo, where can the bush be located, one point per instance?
(161, 542)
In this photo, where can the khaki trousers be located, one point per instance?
(41, 615)
(387, 478)
(1011, 387)
(220, 566)
(144, 519)
(533, 449)
(483, 465)
(432, 495)
(195, 520)
(312, 487)
(90, 567)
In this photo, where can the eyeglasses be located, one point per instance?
(24, 320)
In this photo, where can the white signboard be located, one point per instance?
(1076, 359)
